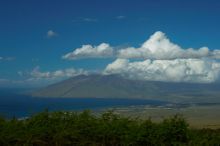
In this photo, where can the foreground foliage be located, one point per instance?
(109, 129)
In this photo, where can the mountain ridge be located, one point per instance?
(115, 86)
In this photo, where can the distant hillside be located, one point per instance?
(115, 86)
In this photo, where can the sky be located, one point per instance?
(45, 41)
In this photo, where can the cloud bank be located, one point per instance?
(88, 51)
(178, 70)
(36, 73)
(38, 78)
(159, 60)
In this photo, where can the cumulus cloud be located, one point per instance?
(51, 34)
(158, 46)
(166, 61)
(159, 60)
(89, 51)
(178, 70)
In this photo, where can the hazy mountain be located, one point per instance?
(115, 86)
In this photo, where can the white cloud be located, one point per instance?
(178, 70)
(51, 33)
(38, 78)
(158, 46)
(36, 73)
(88, 51)
(161, 60)
(215, 54)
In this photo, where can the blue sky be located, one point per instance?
(25, 24)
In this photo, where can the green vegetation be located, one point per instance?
(109, 129)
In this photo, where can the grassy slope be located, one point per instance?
(197, 116)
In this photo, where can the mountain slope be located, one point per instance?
(114, 86)
(111, 86)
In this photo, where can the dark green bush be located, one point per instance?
(109, 129)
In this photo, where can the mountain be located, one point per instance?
(115, 86)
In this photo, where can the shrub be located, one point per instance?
(84, 128)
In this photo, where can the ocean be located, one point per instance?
(17, 105)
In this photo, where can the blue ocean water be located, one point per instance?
(18, 105)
